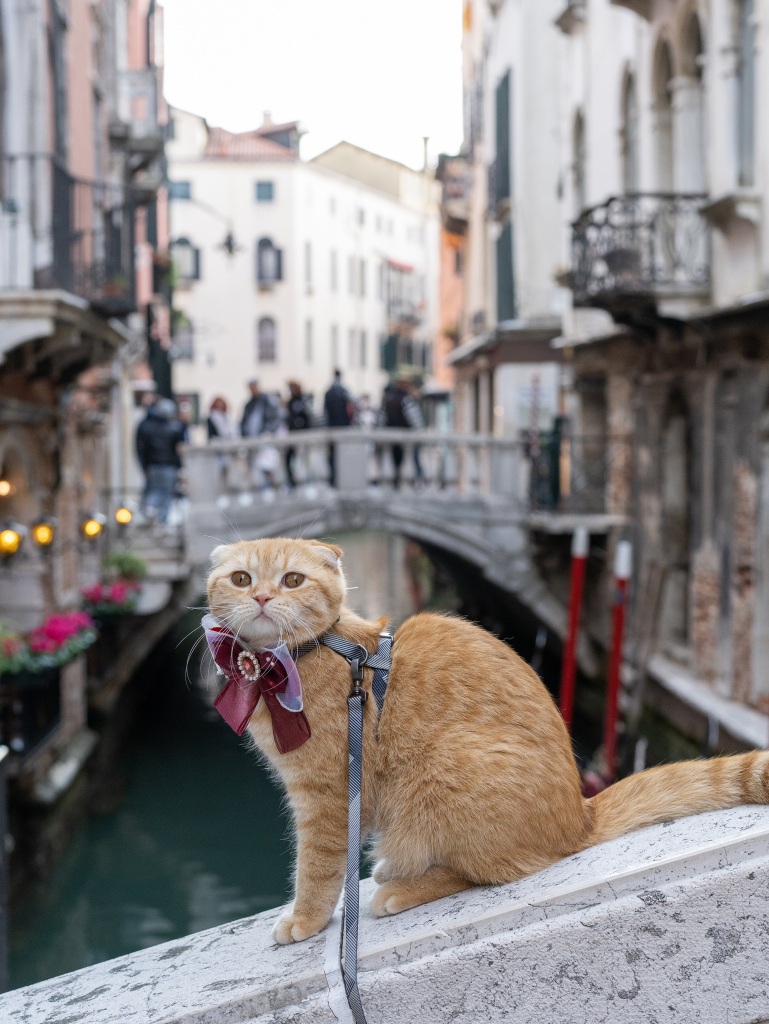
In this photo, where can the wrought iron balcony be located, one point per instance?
(643, 246)
(139, 128)
(59, 232)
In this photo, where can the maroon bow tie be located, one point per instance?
(251, 675)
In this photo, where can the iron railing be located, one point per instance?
(640, 245)
(60, 232)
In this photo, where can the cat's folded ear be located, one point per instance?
(330, 552)
(216, 556)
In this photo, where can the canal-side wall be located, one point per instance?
(667, 924)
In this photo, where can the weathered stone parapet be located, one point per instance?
(667, 924)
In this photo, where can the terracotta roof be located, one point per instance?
(245, 146)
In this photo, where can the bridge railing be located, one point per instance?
(554, 472)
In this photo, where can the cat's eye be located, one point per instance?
(240, 578)
(292, 580)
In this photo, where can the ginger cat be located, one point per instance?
(471, 779)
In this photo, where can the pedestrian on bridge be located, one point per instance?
(339, 410)
(261, 416)
(400, 409)
(298, 417)
(158, 437)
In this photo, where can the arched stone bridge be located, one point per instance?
(476, 496)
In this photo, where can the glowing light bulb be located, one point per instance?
(10, 541)
(123, 515)
(43, 533)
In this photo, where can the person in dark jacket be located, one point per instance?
(298, 417)
(339, 411)
(158, 437)
(400, 409)
(260, 414)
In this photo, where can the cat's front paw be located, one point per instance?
(391, 898)
(291, 927)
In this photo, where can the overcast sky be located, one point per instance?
(379, 73)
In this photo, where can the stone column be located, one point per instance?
(704, 584)
(743, 582)
(619, 471)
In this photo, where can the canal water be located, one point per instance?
(198, 836)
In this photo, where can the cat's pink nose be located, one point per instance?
(262, 599)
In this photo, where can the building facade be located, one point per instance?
(508, 375)
(639, 146)
(81, 145)
(287, 269)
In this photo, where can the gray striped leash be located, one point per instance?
(358, 657)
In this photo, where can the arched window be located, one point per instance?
(746, 87)
(269, 263)
(691, 111)
(186, 260)
(630, 147)
(663, 118)
(267, 341)
(579, 148)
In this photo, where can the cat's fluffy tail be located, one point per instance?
(673, 791)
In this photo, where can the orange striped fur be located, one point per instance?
(471, 780)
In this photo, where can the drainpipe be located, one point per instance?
(580, 544)
(622, 566)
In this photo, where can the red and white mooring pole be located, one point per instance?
(623, 559)
(580, 544)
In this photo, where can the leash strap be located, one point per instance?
(348, 953)
(358, 657)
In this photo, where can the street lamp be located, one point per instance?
(11, 538)
(93, 525)
(43, 532)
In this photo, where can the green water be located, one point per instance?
(199, 837)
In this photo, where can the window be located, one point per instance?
(186, 260)
(505, 275)
(269, 263)
(308, 341)
(351, 274)
(746, 86)
(363, 350)
(333, 274)
(332, 206)
(334, 345)
(663, 118)
(266, 342)
(180, 190)
(182, 336)
(579, 168)
(351, 348)
(630, 136)
(308, 266)
(501, 170)
(362, 277)
(265, 191)
(361, 216)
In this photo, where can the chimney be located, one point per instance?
(266, 119)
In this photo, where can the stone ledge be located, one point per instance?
(667, 924)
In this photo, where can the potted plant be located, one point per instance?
(56, 641)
